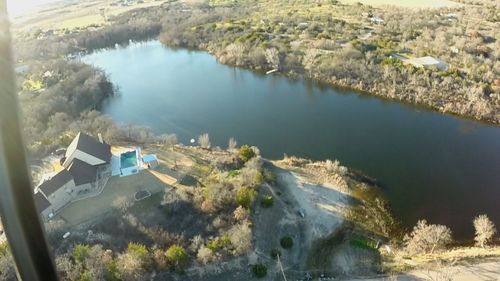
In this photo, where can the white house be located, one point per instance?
(428, 62)
(86, 171)
(87, 149)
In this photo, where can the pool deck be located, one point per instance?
(117, 170)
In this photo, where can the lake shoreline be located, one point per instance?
(341, 85)
(364, 132)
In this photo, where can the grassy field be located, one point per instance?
(406, 3)
(76, 15)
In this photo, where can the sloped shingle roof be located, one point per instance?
(41, 202)
(50, 186)
(89, 145)
(82, 172)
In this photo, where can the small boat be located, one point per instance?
(271, 71)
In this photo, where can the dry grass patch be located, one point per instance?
(407, 3)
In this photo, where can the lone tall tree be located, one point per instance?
(232, 144)
(485, 230)
(273, 58)
(309, 60)
(204, 141)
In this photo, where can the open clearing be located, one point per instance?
(76, 15)
(407, 3)
(116, 187)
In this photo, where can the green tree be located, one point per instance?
(81, 252)
(259, 270)
(177, 255)
(246, 153)
(286, 242)
(267, 201)
(245, 197)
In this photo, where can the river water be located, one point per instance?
(438, 167)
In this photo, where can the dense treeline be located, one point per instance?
(134, 26)
(315, 40)
(53, 95)
(298, 38)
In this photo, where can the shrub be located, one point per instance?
(81, 252)
(286, 242)
(112, 273)
(241, 237)
(363, 243)
(246, 153)
(177, 255)
(138, 250)
(259, 270)
(275, 253)
(219, 243)
(240, 213)
(245, 197)
(205, 255)
(134, 263)
(267, 201)
(160, 259)
(270, 177)
(233, 173)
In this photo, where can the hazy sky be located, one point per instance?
(16, 7)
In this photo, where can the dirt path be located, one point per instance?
(316, 211)
(322, 205)
(487, 271)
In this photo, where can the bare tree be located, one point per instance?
(121, 203)
(485, 230)
(427, 238)
(335, 167)
(232, 144)
(273, 58)
(241, 237)
(204, 141)
(240, 213)
(168, 140)
(236, 52)
(309, 60)
(205, 255)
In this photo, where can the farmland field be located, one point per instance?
(407, 3)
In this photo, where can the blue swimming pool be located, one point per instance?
(128, 159)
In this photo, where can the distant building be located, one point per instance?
(428, 62)
(87, 167)
(376, 20)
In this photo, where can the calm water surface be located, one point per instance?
(432, 166)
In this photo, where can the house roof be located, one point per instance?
(427, 61)
(82, 172)
(50, 186)
(41, 202)
(149, 158)
(89, 145)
